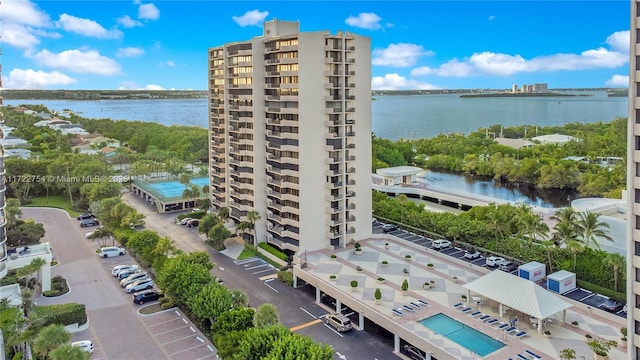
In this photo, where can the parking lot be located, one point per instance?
(584, 296)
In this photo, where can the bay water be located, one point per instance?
(395, 117)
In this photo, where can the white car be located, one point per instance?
(440, 244)
(494, 261)
(472, 255)
(131, 278)
(84, 345)
(119, 269)
(139, 285)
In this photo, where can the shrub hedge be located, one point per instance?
(273, 251)
(286, 277)
(58, 287)
(65, 314)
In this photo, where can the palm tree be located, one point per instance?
(242, 227)
(101, 233)
(132, 219)
(498, 222)
(617, 263)
(190, 193)
(531, 226)
(590, 227)
(565, 215)
(402, 200)
(564, 233)
(252, 217)
(575, 247)
(549, 247)
(223, 214)
(185, 179)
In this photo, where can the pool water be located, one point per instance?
(172, 189)
(462, 334)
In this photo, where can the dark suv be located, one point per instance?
(89, 222)
(86, 216)
(143, 296)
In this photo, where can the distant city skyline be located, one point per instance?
(415, 44)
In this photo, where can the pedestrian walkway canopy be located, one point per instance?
(519, 294)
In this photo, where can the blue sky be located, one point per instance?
(415, 44)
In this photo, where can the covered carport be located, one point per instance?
(519, 294)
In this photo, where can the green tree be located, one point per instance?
(575, 247)
(228, 343)
(617, 264)
(24, 233)
(218, 234)
(266, 315)
(242, 228)
(96, 191)
(101, 234)
(183, 276)
(223, 214)
(530, 226)
(237, 319)
(296, 346)
(209, 303)
(206, 223)
(590, 228)
(13, 212)
(252, 217)
(190, 193)
(567, 354)
(402, 201)
(49, 338)
(259, 341)
(68, 352)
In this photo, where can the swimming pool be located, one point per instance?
(462, 334)
(174, 189)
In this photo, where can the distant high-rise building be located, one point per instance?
(290, 135)
(514, 88)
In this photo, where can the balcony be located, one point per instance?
(351, 218)
(334, 222)
(333, 110)
(336, 85)
(351, 133)
(334, 185)
(334, 210)
(333, 98)
(333, 73)
(351, 109)
(333, 160)
(351, 194)
(333, 197)
(351, 170)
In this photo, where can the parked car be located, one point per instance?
(86, 216)
(89, 222)
(84, 345)
(118, 269)
(472, 255)
(612, 305)
(338, 321)
(133, 277)
(413, 352)
(441, 244)
(141, 297)
(185, 220)
(193, 222)
(508, 266)
(141, 284)
(494, 261)
(111, 251)
(389, 228)
(126, 273)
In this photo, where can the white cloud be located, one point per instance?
(497, 64)
(86, 27)
(619, 41)
(148, 12)
(397, 82)
(24, 12)
(87, 62)
(132, 85)
(253, 17)
(491, 17)
(618, 81)
(170, 63)
(369, 21)
(129, 52)
(453, 68)
(128, 22)
(19, 36)
(399, 55)
(31, 79)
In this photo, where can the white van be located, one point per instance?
(111, 251)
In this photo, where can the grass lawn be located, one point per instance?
(58, 201)
(247, 253)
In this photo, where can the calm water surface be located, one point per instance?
(394, 117)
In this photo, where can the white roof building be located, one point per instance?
(554, 139)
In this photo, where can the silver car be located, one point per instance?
(131, 278)
(118, 269)
(141, 284)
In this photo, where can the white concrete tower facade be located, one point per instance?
(290, 135)
(633, 186)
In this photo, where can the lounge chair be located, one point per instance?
(510, 329)
(533, 355)
(503, 326)
(457, 305)
(415, 305)
(397, 312)
(424, 302)
(466, 309)
(492, 321)
(521, 357)
(475, 313)
(520, 334)
(407, 307)
(484, 318)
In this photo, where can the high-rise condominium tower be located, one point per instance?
(633, 186)
(290, 135)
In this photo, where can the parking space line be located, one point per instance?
(257, 266)
(187, 349)
(310, 314)
(241, 262)
(270, 287)
(313, 322)
(164, 322)
(178, 339)
(332, 329)
(168, 331)
(272, 276)
(261, 271)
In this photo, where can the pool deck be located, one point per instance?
(444, 295)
